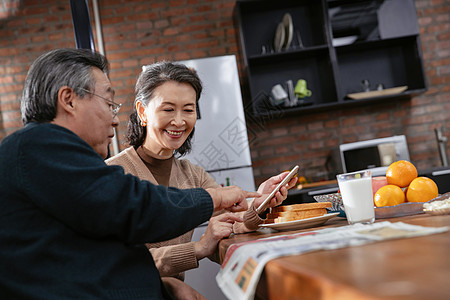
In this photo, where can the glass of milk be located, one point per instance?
(357, 196)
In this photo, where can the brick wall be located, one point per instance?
(141, 32)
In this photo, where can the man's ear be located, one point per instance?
(66, 98)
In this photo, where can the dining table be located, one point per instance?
(405, 268)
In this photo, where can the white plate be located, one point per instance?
(280, 35)
(289, 30)
(391, 91)
(346, 40)
(299, 224)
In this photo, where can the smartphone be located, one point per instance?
(263, 205)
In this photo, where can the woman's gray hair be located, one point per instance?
(151, 77)
(50, 72)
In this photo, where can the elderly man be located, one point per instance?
(72, 227)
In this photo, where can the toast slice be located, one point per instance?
(299, 214)
(301, 206)
(296, 212)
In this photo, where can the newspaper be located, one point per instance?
(244, 262)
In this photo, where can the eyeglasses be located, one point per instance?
(113, 105)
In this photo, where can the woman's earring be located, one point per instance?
(143, 123)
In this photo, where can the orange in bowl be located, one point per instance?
(401, 173)
(421, 189)
(389, 195)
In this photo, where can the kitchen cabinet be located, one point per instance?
(336, 45)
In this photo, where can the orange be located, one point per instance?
(302, 180)
(401, 173)
(421, 189)
(389, 195)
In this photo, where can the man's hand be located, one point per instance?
(231, 198)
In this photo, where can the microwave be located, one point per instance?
(375, 155)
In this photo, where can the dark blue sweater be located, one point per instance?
(72, 227)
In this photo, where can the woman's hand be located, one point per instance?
(219, 227)
(180, 290)
(267, 186)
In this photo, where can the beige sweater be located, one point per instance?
(175, 256)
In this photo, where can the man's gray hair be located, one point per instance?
(50, 72)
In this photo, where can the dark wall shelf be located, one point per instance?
(376, 50)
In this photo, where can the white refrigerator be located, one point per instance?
(220, 143)
(220, 146)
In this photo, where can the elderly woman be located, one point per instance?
(160, 132)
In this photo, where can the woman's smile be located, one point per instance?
(175, 134)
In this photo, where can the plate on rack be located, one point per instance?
(289, 30)
(300, 224)
(280, 36)
(371, 94)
